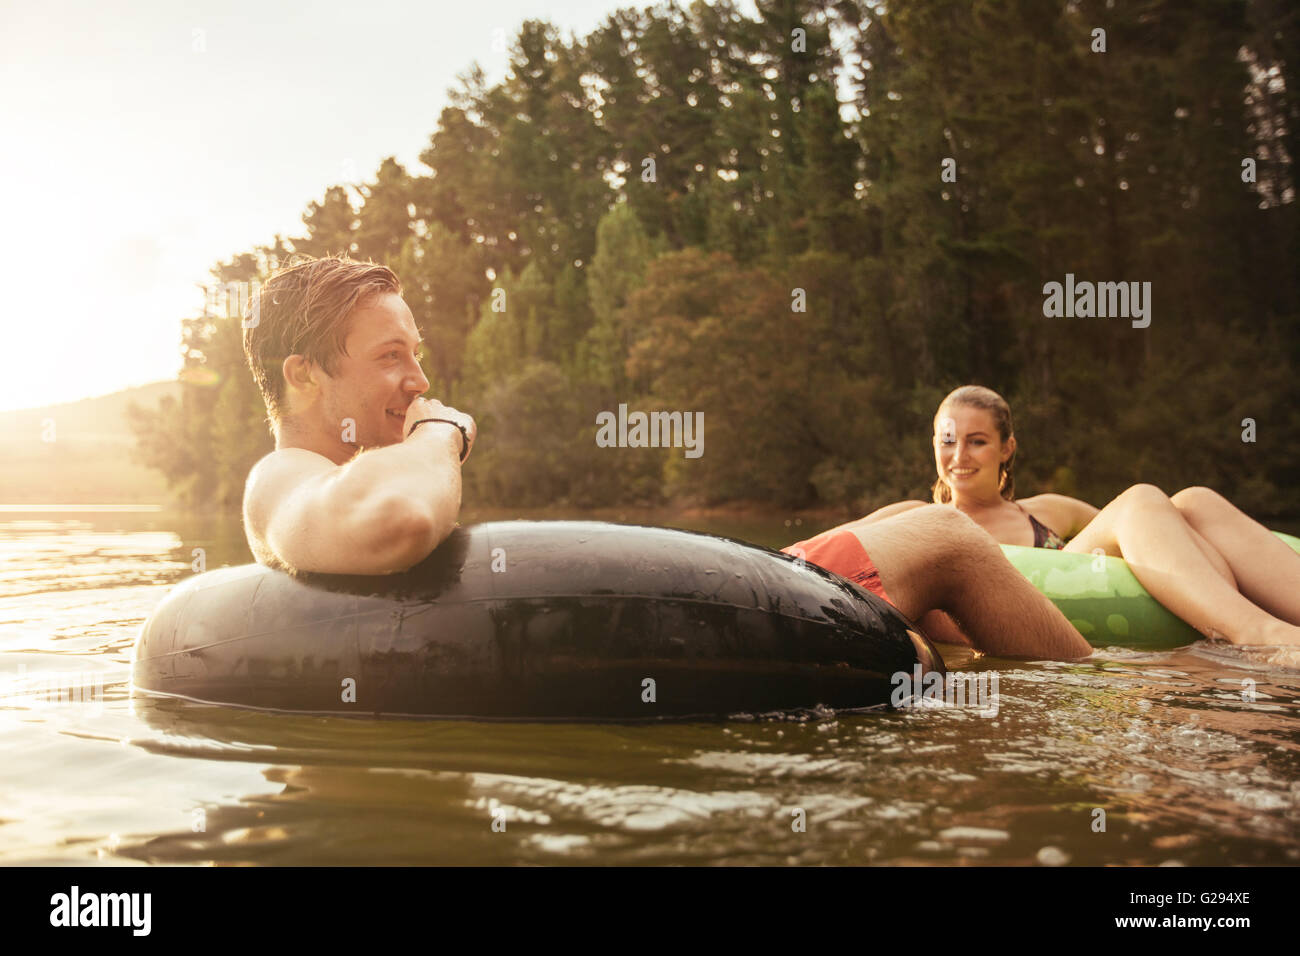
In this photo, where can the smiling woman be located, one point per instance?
(1206, 562)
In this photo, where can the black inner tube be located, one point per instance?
(549, 620)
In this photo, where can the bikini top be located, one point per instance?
(1044, 537)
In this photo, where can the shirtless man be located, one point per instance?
(365, 476)
(357, 485)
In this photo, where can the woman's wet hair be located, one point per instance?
(977, 396)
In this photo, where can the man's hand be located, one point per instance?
(432, 408)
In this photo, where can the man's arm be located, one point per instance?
(383, 511)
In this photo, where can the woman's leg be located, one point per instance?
(1266, 570)
(1144, 528)
(935, 558)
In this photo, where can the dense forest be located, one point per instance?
(811, 225)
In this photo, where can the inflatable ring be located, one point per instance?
(536, 620)
(1101, 597)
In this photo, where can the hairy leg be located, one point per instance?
(934, 558)
(1144, 528)
(942, 629)
(1266, 570)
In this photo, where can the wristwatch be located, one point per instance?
(464, 435)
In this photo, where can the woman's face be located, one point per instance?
(968, 450)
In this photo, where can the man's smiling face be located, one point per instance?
(376, 379)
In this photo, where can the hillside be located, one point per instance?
(88, 460)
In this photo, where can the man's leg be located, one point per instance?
(934, 558)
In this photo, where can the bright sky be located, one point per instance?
(139, 148)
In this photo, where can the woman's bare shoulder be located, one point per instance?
(1061, 513)
(1050, 500)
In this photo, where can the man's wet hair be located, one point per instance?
(303, 310)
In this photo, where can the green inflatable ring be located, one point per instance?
(1103, 599)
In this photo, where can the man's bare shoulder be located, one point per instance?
(289, 459)
(270, 481)
(279, 471)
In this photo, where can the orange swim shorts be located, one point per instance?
(841, 552)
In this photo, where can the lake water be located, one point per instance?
(1189, 756)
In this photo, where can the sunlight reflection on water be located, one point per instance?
(1193, 754)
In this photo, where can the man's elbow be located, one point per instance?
(412, 531)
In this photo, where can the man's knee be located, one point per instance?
(947, 537)
(959, 527)
(941, 518)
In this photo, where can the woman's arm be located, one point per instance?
(1065, 515)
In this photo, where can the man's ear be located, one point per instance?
(297, 371)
